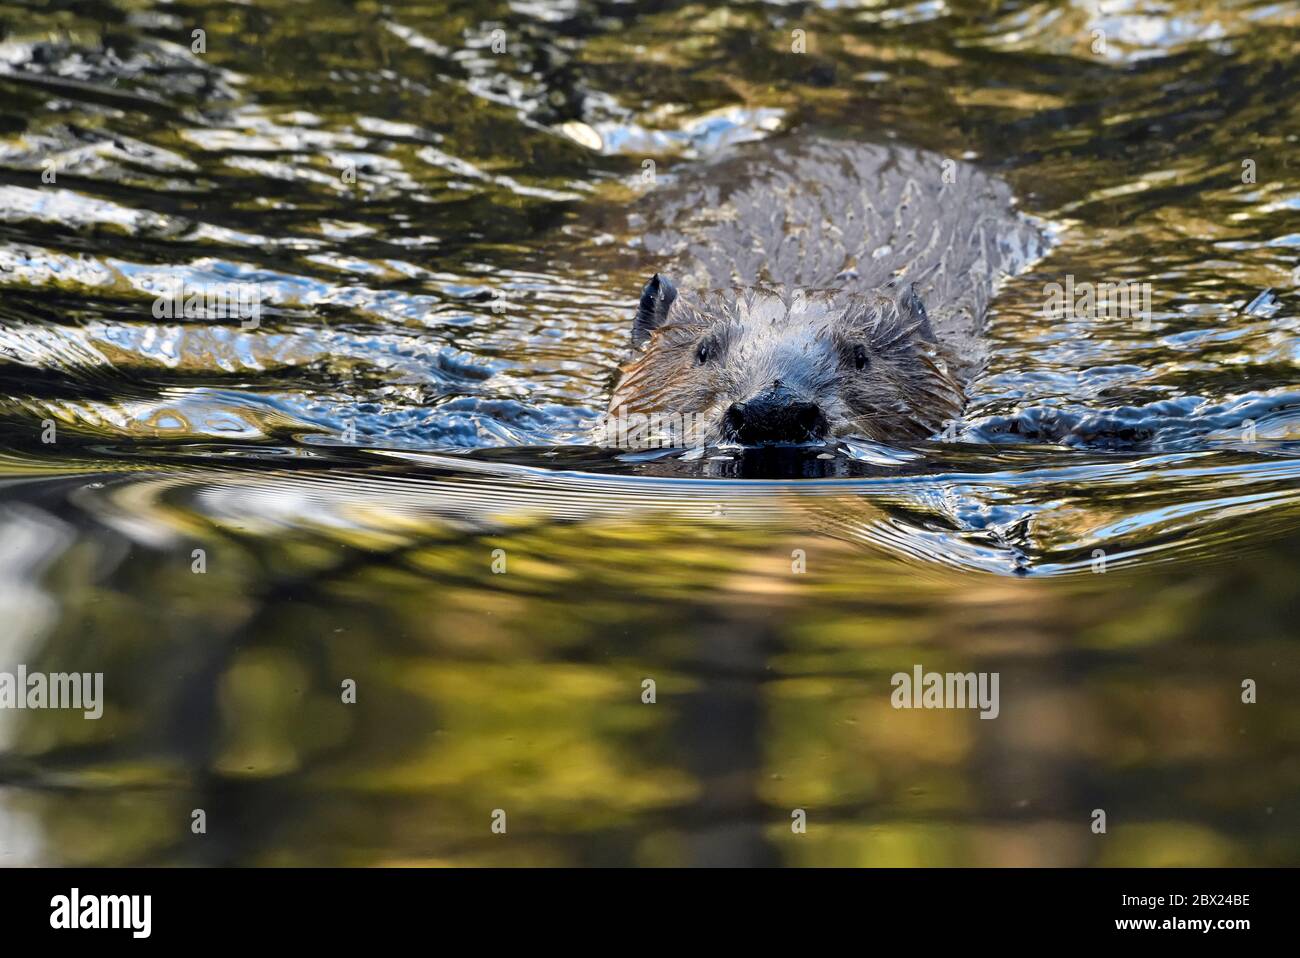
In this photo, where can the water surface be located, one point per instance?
(388, 479)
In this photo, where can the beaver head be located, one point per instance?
(764, 364)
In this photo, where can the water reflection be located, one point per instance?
(440, 231)
(523, 690)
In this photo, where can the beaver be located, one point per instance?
(816, 289)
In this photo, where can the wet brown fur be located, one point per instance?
(792, 256)
(810, 340)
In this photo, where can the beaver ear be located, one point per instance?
(656, 298)
(910, 305)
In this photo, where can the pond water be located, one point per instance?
(382, 486)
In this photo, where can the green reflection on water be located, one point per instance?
(522, 691)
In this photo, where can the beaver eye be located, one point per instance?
(860, 358)
(704, 352)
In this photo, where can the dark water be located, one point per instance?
(445, 294)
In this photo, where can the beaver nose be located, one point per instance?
(777, 415)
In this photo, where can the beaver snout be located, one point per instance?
(775, 415)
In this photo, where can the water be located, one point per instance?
(439, 232)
